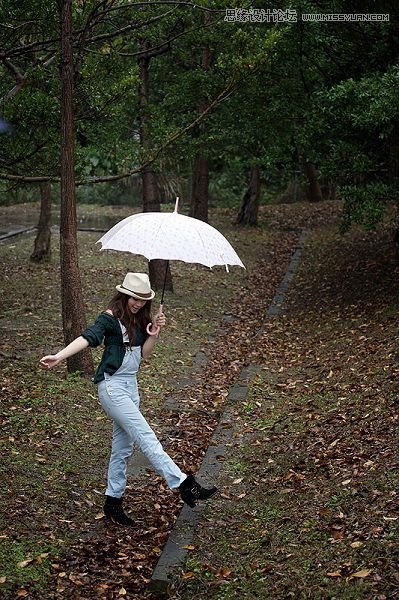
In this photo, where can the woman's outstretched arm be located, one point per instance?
(52, 360)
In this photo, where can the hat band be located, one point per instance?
(143, 296)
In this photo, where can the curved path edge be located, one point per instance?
(181, 536)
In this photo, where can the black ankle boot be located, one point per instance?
(113, 510)
(191, 491)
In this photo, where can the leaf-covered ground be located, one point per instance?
(310, 500)
(307, 507)
(55, 438)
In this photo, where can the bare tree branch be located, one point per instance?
(128, 28)
(154, 49)
(25, 48)
(29, 178)
(19, 77)
(167, 2)
(95, 17)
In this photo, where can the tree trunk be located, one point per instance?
(150, 189)
(200, 176)
(150, 195)
(73, 314)
(200, 189)
(42, 247)
(248, 214)
(314, 189)
(158, 269)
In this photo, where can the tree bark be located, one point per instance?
(73, 314)
(42, 247)
(248, 213)
(200, 189)
(314, 189)
(150, 189)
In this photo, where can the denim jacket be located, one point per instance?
(107, 328)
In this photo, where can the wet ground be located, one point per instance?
(25, 216)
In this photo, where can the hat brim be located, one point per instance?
(133, 295)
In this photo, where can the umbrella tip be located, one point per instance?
(177, 203)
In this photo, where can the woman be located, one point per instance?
(123, 329)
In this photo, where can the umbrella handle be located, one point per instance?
(157, 329)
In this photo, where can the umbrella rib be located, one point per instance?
(160, 226)
(147, 250)
(157, 233)
(203, 243)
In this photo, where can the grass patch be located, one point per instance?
(25, 563)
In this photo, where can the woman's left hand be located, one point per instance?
(159, 320)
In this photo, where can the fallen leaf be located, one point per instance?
(122, 592)
(334, 574)
(188, 575)
(189, 547)
(3, 580)
(360, 574)
(23, 563)
(356, 544)
(224, 572)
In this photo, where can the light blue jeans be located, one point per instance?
(120, 399)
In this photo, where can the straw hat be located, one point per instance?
(136, 285)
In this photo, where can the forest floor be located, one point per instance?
(309, 502)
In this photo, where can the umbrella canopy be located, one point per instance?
(171, 236)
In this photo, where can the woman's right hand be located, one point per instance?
(52, 360)
(49, 361)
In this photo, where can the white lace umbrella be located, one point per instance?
(171, 236)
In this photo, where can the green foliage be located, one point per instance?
(319, 92)
(366, 204)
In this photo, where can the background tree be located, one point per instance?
(42, 244)
(73, 314)
(228, 104)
